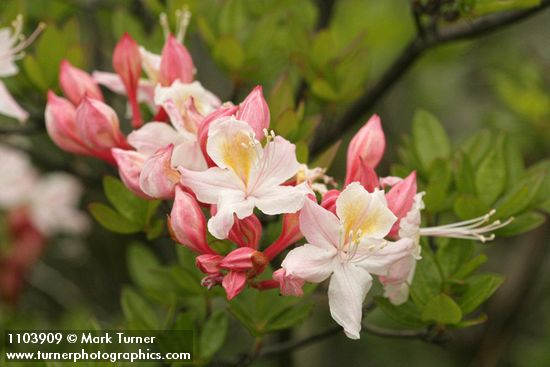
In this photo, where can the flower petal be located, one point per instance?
(385, 253)
(319, 226)
(347, 290)
(188, 154)
(9, 107)
(360, 210)
(282, 199)
(229, 202)
(234, 283)
(153, 136)
(277, 164)
(208, 184)
(309, 262)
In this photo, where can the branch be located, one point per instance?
(423, 334)
(406, 59)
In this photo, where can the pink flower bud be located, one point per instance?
(223, 111)
(98, 126)
(255, 111)
(209, 263)
(127, 64)
(246, 232)
(75, 83)
(290, 234)
(60, 118)
(175, 63)
(366, 148)
(400, 200)
(158, 178)
(130, 163)
(329, 200)
(187, 223)
(239, 259)
(289, 285)
(234, 283)
(365, 175)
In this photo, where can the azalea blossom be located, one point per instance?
(247, 175)
(12, 46)
(49, 201)
(347, 248)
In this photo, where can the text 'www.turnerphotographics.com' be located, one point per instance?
(99, 346)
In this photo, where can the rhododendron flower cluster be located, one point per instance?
(225, 171)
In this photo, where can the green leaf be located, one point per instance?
(213, 334)
(465, 175)
(477, 146)
(480, 288)
(442, 309)
(141, 265)
(437, 192)
(520, 197)
(522, 223)
(50, 49)
(467, 206)
(470, 266)
(138, 312)
(302, 152)
(406, 314)
(322, 89)
(125, 202)
(429, 138)
(290, 317)
(325, 159)
(513, 159)
(427, 279)
(229, 52)
(111, 220)
(453, 254)
(482, 7)
(491, 176)
(34, 72)
(281, 97)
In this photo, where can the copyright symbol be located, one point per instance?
(71, 338)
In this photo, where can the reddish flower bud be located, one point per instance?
(233, 283)
(400, 200)
(238, 260)
(158, 179)
(130, 163)
(209, 263)
(329, 200)
(365, 175)
(255, 111)
(289, 285)
(60, 118)
(176, 63)
(290, 234)
(246, 232)
(98, 126)
(75, 83)
(127, 64)
(365, 149)
(187, 223)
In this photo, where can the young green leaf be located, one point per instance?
(213, 334)
(480, 288)
(112, 220)
(442, 309)
(429, 138)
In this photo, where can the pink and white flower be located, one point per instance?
(12, 44)
(347, 248)
(247, 175)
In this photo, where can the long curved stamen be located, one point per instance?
(183, 17)
(24, 42)
(473, 229)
